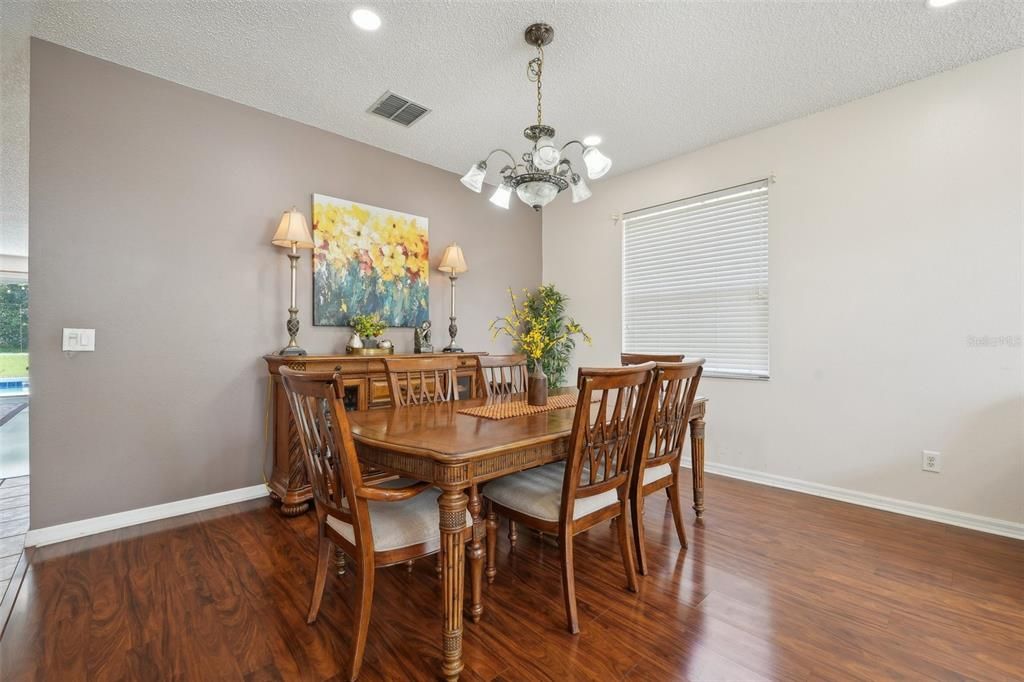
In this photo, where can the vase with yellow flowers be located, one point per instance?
(542, 331)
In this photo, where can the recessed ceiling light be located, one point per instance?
(592, 140)
(365, 19)
(935, 4)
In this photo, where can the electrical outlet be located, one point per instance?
(931, 460)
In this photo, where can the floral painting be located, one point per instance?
(368, 260)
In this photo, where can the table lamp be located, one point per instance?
(293, 233)
(453, 263)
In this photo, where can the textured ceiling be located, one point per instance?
(654, 79)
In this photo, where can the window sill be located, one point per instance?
(727, 375)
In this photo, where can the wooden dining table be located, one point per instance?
(457, 453)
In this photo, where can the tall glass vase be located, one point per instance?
(537, 385)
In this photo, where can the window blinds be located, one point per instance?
(695, 280)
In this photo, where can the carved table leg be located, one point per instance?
(697, 455)
(492, 544)
(476, 555)
(452, 506)
(512, 534)
(295, 509)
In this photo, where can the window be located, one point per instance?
(695, 280)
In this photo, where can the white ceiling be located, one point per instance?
(654, 79)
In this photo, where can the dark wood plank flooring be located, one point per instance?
(775, 585)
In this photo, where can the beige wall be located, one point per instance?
(152, 207)
(895, 234)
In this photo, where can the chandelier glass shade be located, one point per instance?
(545, 170)
(474, 179)
(501, 195)
(537, 193)
(580, 191)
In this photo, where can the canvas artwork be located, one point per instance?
(368, 260)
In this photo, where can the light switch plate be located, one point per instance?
(79, 339)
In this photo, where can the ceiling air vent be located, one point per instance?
(398, 109)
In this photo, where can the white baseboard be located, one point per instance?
(68, 531)
(984, 524)
(37, 537)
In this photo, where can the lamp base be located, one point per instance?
(291, 350)
(451, 349)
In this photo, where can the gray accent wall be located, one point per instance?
(151, 211)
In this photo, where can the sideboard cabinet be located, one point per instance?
(366, 387)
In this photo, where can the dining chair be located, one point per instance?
(640, 358)
(374, 526)
(421, 381)
(660, 446)
(591, 486)
(502, 374)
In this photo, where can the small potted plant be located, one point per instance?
(365, 329)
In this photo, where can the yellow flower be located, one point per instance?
(417, 266)
(392, 263)
(358, 235)
(337, 255)
(537, 327)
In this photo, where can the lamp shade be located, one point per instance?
(547, 155)
(580, 191)
(597, 163)
(474, 179)
(501, 195)
(293, 230)
(453, 262)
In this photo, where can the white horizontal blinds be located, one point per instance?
(695, 280)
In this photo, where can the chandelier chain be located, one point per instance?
(534, 71)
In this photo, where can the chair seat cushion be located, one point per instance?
(400, 524)
(652, 474)
(537, 492)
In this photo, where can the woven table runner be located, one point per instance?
(520, 408)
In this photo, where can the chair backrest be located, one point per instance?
(605, 431)
(673, 390)
(502, 374)
(640, 358)
(332, 465)
(421, 381)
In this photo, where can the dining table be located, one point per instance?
(457, 453)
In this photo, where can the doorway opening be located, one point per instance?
(14, 406)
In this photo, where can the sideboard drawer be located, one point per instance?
(379, 396)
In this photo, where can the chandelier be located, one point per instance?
(544, 171)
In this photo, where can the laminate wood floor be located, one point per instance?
(775, 585)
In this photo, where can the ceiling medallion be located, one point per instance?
(544, 170)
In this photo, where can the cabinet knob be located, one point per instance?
(337, 368)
